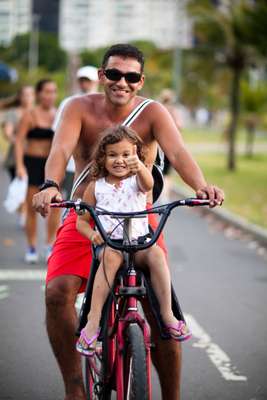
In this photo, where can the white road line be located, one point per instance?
(22, 274)
(4, 292)
(217, 356)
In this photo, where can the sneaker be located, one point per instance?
(31, 256)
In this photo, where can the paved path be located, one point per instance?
(221, 281)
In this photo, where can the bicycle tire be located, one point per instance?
(135, 367)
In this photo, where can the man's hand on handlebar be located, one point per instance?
(41, 201)
(213, 193)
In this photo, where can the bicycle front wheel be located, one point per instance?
(135, 366)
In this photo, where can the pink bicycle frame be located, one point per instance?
(131, 316)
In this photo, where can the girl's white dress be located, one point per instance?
(126, 197)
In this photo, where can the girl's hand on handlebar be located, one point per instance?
(96, 238)
(41, 201)
(213, 193)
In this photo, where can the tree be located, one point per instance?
(203, 84)
(227, 28)
(253, 106)
(51, 56)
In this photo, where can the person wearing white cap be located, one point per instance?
(87, 79)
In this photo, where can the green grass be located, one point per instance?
(201, 135)
(245, 189)
(212, 135)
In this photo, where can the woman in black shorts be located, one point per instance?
(33, 142)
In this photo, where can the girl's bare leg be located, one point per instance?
(111, 260)
(167, 355)
(155, 260)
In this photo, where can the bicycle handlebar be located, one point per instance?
(163, 210)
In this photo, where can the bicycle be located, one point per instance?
(121, 361)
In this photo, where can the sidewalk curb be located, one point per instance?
(259, 233)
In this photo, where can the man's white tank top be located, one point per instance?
(125, 198)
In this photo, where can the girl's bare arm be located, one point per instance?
(83, 221)
(144, 177)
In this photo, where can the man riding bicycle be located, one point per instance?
(84, 118)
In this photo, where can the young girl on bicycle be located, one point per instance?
(121, 182)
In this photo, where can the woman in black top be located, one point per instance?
(33, 142)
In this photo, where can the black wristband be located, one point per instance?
(47, 184)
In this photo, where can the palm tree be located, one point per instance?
(227, 28)
(253, 108)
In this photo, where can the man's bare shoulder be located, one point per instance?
(155, 107)
(87, 99)
(154, 111)
(82, 101)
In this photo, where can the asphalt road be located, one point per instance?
(221, 279)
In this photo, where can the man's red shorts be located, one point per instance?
(72, 254)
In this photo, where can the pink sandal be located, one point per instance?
(180, 337)
(87, 351)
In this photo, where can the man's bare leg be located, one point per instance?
(61, 320)
(167, 359)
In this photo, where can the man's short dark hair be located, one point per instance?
(124, 51)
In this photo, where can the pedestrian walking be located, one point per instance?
(32, 146)
(14, 109)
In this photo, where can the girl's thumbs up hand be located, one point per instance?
(133, 162)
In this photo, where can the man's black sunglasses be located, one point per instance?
(114, 74)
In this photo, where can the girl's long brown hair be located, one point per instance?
(112, 136)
